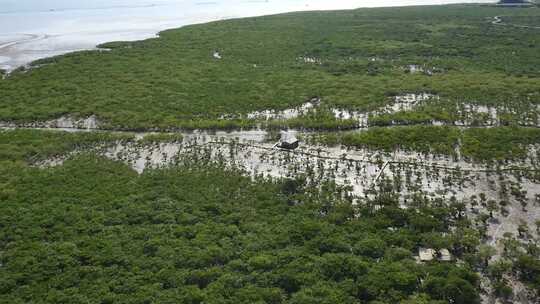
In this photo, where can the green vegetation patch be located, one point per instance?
(521, 20)
(351, 59)
(479, 144)
(427, 139)
(199, 234)
(162, 137)
(509, 113)
(321, 118)
(35, 145)
(505, 143)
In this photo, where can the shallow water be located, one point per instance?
(33, 29)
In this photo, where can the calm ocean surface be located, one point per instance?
(33, 29)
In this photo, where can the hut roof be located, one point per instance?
(445, 255)
(426, 254)
(288, 138)
(429, 254)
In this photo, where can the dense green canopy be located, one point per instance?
(93, 231)
(360, 58)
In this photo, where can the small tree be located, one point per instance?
(523, 229)
(492, 207)
(485, 252)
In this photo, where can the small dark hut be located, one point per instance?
(288, 141)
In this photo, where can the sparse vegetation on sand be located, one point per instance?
(162, 137)
(35, 145)
(478, 144)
